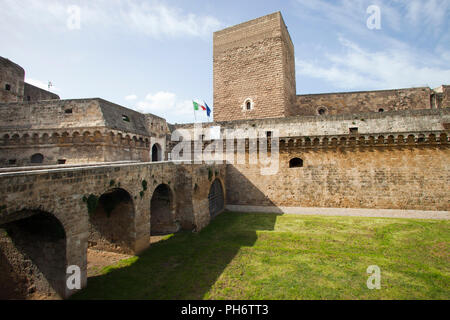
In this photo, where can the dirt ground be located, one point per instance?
(97, 260)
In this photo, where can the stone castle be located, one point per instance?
(101, 173)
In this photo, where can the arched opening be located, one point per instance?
(216, 199)
(33, 257)
(162, 212)
(321, 111)
(156, 153)
(111, 222)
(296, 163)
(248, 104)
(37, 158)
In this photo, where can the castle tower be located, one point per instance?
(254, 70)
(11, 81)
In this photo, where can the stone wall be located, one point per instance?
(77, 131)
(387, 123)
(441, 97)
(71, 196)
(11, 81)
(33, 93)
(408, 177)
(253, 62)
(33, 258)
(366, 101)
(71, 147)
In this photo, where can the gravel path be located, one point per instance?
(381, 213)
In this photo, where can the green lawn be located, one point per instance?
(266, 256)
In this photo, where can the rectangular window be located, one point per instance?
(8, 87)
(61, 161)
(125, 118)
(353, 130)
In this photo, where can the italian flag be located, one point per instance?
(198, 105)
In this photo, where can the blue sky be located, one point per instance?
(156, 56)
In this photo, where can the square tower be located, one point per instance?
(254, 70)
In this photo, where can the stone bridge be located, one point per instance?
(49, 216)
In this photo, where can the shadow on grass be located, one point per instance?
(185, 266)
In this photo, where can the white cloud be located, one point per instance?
(158, 19)
(167, 105)
(151, 18)
(396, 13)
(361, 69)
(131, 97)
(431, 12)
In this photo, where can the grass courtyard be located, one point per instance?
(268, 256)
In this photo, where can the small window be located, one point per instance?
(248, 105)
(68, 111)
(125, 118)
(37, 158)
(321, 111)
(28, 98)
(296, 163)
(12, 161)
(353, 130)
(381, 110)
(8, 87)
(61, 161)
(269, 134)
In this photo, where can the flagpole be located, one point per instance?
(195, 117)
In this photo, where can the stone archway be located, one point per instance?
(162, 212)
(33, 257)
(112, 223)
(156, 153)
(216, 198)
